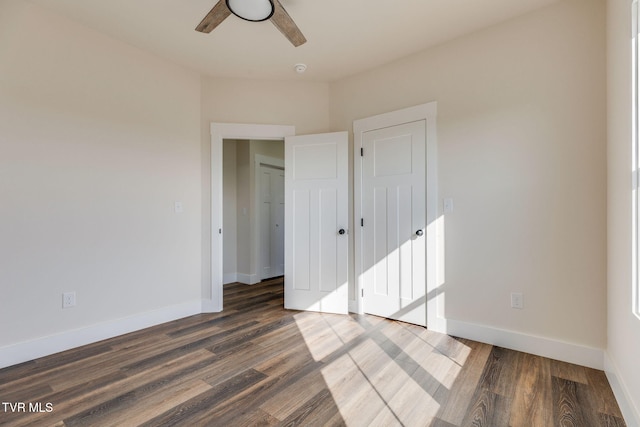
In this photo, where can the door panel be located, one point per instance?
(316, 207)
(394, 213)
(277, 229)
(271, 221)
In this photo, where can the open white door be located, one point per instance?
(316, 218)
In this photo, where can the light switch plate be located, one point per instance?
(448, 205)
(517, 300)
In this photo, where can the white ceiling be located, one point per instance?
(344, 36)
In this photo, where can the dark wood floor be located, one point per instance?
(258, 364)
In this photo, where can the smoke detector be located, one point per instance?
(300, 68)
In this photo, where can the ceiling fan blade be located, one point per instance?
(219, 13)
(285, 24)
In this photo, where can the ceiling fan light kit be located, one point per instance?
(251, 10)
(254, 11)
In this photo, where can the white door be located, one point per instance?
(394, 222)
(316, 214)
(271, 221)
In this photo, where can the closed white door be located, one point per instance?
(316, 214)
(394, 222)
(271, 221)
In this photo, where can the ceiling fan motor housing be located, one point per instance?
(251, 10)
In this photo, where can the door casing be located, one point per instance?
(212, 289)
(434, 274)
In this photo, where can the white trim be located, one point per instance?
(630, 413)
(540, 346)
(229, 278)
(45, 346)
(248, 279)
(635, 152)
(259, 160)
(428, 113)
(353, 305)
(219, 132)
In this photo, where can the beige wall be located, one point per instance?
(97, 141)
(623, 327)
(229, 206)
(243, 171)
(521, 140)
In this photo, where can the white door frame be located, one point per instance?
(428, 113)
(212, 300)
(268, 161)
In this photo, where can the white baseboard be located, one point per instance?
(39, 347)
(630, 412)
(248, 279)
(229, 278)
(540, 346)
(210, 306)
(353, 307)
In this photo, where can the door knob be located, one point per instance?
(419, 233)
(341, 231)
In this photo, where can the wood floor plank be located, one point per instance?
(533, 400)
(254, 396)
(256, 418)
(70, 402)
(191, 410)
(456, 401)
(569, 371)
(602, 398)
(142, 408)
(256, 363)
(488, 409)
(437, 422)
(611, 421)
(300, 393)
(510, 369)
(317, 410)
(567, 409)
(127, 401)
(26, 393)
(411, 405)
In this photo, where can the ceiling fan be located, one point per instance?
(255, 11)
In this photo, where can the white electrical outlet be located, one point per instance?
(517, 300)
(68, 299)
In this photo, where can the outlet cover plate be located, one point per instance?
(68, 299)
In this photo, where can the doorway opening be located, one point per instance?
(253, 210)
(213, 292)
(316, 245)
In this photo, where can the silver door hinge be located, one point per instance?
(362, 292)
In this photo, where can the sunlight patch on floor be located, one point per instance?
(392, 377)
(321, 338)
